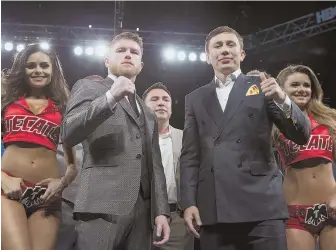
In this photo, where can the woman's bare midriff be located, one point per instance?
(32, 164)
(309, 186)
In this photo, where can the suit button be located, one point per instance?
(251, 115)
(240, 165)
(138, 136)
(138, 156)
(216, 143)
(238, 141)
(212, 170)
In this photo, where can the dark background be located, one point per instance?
(192, 17)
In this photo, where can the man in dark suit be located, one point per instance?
(229, 185)
(122, 193)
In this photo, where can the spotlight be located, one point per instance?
(8, 46)
(181, 55)
(169, 54)
(78, 51)
(44, 45)
(20, 47)
(203, 57)
(192, 57)
(89, 51)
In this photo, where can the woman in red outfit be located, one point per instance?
(309, 184)
(34, 95)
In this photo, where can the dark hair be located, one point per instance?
(321, 113)
(220, 30)
(128, 36)
(13, 82)
(158, 85)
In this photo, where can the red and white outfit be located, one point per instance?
(21, 125)
(311, 218)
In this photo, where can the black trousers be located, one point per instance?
(265, 235)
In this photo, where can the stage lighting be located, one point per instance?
(20, 47)
(101, 50)
(181, 55)
(89, 51)
(78, 51)
(169, 54)
(192, 56)
(203, 57)
(45, 45)
(8, 46)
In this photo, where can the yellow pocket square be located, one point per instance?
(253, 90)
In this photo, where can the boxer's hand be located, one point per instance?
(192, 220)
(271, 89)
(162, 230)
(122, 87)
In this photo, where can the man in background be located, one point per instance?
(158, 98)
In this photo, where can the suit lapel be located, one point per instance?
(107, 82)
(212, 104)
(236, 97)
(129, 110)
(150, 123)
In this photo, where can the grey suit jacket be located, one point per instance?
(228, 169)
(110, 178)
(177, 135)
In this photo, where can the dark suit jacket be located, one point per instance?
(228, 169)
(110, 178)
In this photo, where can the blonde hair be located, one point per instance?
(321, 113)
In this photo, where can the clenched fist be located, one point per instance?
(122, 87)
(271, 89)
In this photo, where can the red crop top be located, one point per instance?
(320, 145)
(21, 125)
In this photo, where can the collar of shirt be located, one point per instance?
(166, 135)
(113, 77)
(230, 79)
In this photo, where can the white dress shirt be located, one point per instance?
(223, 90)
(166, 147)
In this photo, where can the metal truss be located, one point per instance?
(289, 32)
(278, 35)
(118, 16)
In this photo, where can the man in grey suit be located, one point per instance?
(67, 234)
(158, 98)
(122, 194)
(230, 188)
